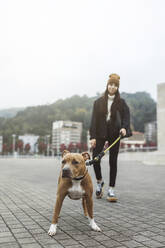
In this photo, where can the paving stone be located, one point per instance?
(61, 236)
(159, 238)
(9, 245)
(23, 235)
(68, 242)
(19, 230)
(89, 242)
(96, 246)
(131, 244)
(53, 246)
(5, 234)
(140, 238)
(110, 243)
(35, 245)
(15, 226)
(4, 229)
(101, 238)
(26, 240)
(120, 238)
(27, 203)
(75, 246)
(36, 231)
(46, 241)
(6, 239)
(153, 244)
(80, 237)
(148, 234)
(75, 232)
(110, 233)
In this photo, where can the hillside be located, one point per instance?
(9, 113)
(38, 120)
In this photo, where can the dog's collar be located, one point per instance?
(80, 177)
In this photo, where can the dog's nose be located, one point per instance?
(66, 172)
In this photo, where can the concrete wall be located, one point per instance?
(161, 117)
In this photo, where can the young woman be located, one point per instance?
(110, 117)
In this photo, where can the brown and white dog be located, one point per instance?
(74, 181)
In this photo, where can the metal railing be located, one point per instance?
(139, 149)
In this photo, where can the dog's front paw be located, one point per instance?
(52, 229)
(94, 226)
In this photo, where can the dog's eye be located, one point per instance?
(75, 161)
(63, 161)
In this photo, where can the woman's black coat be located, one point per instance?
(120, 118)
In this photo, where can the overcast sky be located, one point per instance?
(51, 49)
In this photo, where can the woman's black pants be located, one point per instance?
(113, 154)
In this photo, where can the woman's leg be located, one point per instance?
(113, 155)
(97, 168)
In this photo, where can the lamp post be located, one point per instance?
(48, 137)
(58, 145)
(13, 143)
(88, 141)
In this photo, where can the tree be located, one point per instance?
(62, 147)
(79, 147)
(27, 148)
(5, 148)
(71, 147)
(42, 147)
(19, 146)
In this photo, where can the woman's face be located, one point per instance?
(112, 88)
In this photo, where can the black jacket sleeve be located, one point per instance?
(92, 129)
(126, 119)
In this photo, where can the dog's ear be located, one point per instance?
(85, 155)
(64, 153)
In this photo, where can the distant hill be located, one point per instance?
(9, 113)
(38, 120)
(142, 109)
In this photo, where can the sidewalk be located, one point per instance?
(27, 197)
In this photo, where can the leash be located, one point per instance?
(101, 154)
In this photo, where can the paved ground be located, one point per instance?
(27, 196)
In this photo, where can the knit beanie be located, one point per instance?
(114, 79)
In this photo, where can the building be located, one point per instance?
(151, 133)
(30, 139)
(65, 132)
(1, 143)
(137, 140)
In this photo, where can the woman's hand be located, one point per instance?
(93, 143)
(123, 132)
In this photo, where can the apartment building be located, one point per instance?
(151, 133)
(65, 132)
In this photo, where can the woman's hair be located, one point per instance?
(116, 102)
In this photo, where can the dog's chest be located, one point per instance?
(76, 191)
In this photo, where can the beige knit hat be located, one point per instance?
(114, 79)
